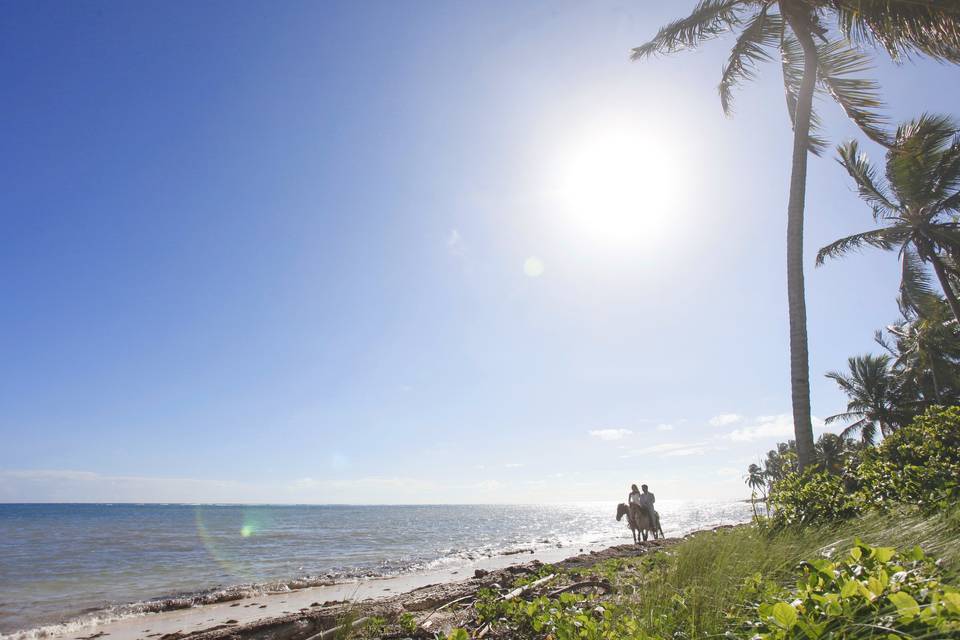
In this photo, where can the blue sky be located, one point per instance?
(339, 252)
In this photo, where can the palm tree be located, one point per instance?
(874, 398)
(780, 462)
(791, 30)
(917, 203)
(757, 480)
(832, 452)
(902, 27)
(926, 354)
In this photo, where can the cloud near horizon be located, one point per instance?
(775, 426)
(67, 485)
(725, 419)
(610, 434)
(669, 449)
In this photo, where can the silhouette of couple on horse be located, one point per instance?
(641, 516)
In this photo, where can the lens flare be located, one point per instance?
(533, 267)
(226, 533)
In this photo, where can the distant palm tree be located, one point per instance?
(874, 398)
(832, 453)
(780, 462)
(917, 204)
(757, 480)
(926, 353)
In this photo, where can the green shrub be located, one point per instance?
(869, 592)
(566, 617)
(407, 623)
(811, 497)
(918, 464)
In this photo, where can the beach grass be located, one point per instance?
(708, 575)
(703, 585)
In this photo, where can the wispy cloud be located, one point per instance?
(776, 426)
(610, 434)
(65, 485)
(669, 449)
(725, 419)
(513, 465)
(663, 426)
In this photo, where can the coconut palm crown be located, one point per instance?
(917, 204)
(874, 398)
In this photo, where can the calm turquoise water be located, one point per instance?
(60, 562)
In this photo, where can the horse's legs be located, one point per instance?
(644, 535)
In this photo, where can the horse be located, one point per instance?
(640, 520)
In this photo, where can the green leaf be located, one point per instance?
(784, 615)
(883, 554)
(812, 630)
(822, 565)
(906, 606)
(458, 634)
(952, 602)
(850, 588)
(855, 553)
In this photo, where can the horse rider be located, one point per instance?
(634, 499)
(645, 500)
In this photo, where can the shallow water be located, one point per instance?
(60, 562)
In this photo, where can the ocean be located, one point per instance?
(64, 562)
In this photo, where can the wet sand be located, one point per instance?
(283, 607)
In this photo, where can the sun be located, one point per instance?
(619, 185)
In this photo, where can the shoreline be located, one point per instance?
(246, 609)
(187, 613)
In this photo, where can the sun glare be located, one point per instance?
(619, 186)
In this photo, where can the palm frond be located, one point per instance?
(842, 417)
(865, 175)
(915, 284)
(708, 19)
(945, 237)
(923, 165)
(838, 68)
(763, 31)
(886, 239)
(867, 430)
(930, 27)
(950, 203)
(879, 338)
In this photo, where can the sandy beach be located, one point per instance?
(318, 606)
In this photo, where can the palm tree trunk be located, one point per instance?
(944, 279)
(799, 364)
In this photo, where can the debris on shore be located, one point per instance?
(432, 609)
